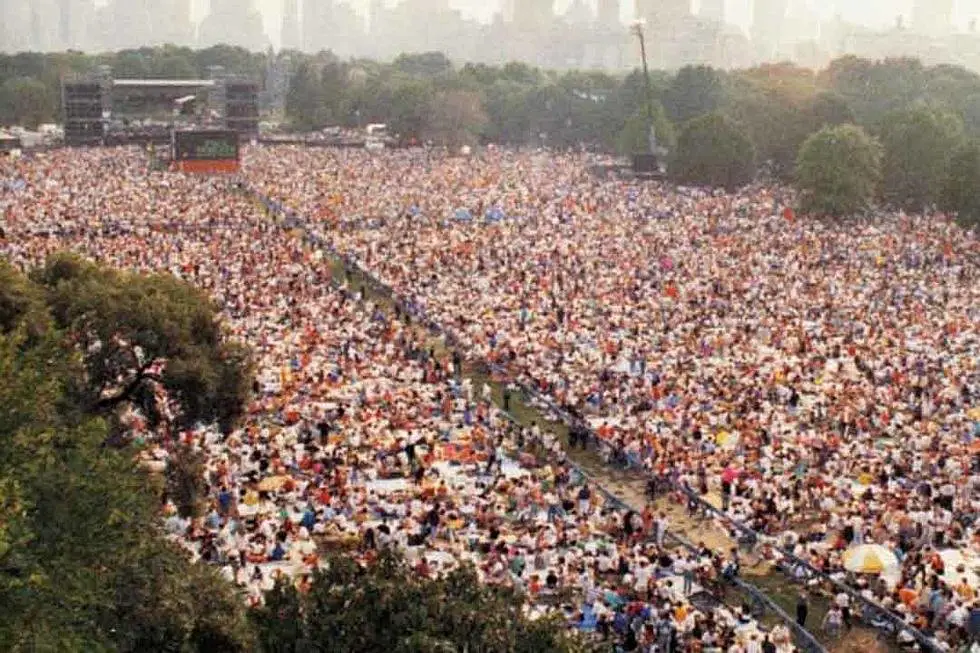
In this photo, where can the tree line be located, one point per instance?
(913, 129)
(723, 128)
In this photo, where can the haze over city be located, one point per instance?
(556, 34)
(871, 13)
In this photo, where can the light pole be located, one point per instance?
(637, 29)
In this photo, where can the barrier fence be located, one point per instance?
(872, 614)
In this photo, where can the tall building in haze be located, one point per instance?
(14, 21)
(234, 22)
(335, 26)
(316, 24)
(74, 18)
(177, 26)
(290, 37)
(608, 14)
(579, 13)
(712, 10)
(768, 17)
(932, 16)
(127, 24)
(42, 24)
(662, 13)
(533, 14)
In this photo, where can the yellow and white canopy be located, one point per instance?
(869, 559)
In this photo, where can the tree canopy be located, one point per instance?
(83, 564)
(139, 332)
(917, 142)
(695, 91)
(960, 193)
(386, 606)
(714, 151)
(838, 170)
(26, 101)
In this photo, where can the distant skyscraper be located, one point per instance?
(235, 22)
(428, 6)
(376, 14)
(329, 25)
(14, 22)
(533, 14)
(73, 17)
(181, 27)
(608, 14)
(169, 21)
(712, 10)
(579, 13)
(316, 24)
(662, 13)
(291, 38)
(43, 24)
(801, 25)
(932, 16)
(768, 17)
(128, 24)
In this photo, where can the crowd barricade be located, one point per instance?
(804, 639)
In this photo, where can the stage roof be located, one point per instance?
(163, 83)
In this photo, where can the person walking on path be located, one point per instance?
(802, 610)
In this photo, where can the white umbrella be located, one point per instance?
(869, 559)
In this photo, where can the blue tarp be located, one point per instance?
(495, 214)
(589, 619)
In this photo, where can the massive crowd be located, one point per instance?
(817, 381)
(360, 436)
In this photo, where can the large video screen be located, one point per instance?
(205, 146)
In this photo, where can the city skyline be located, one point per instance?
(871, 13)
(593, 33)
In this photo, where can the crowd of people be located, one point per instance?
(360, 435)
(817, 381)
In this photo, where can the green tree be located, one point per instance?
(960, 193)
(838, 170)
(508, 112)
(873, 89)
(26, 102)
(917, 144)
(306, 102)
(387, 607)
(780, 105)
(408, 109)
(83, 564)
(456, 118)
(828, 109)
(131, 63)
(139, 332)
(634, 138)
(775, 124)
(694, 92)
(233, 59)
(424, 65)
(176, 64)
(713, 151)
(185, 482)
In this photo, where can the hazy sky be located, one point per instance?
(876, 13)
